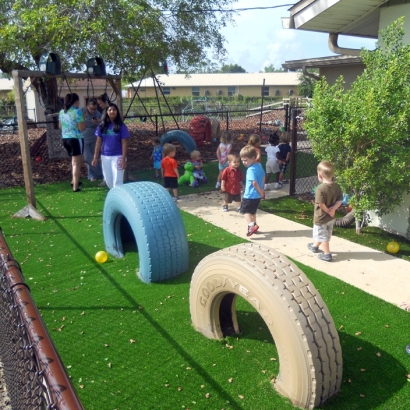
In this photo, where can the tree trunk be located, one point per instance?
(358, 226)
(47, 90)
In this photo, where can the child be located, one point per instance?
(328, 198)
(255, 142)
(254, 192)
(156, 155)
(283, 156)
(232, 178)
(272, 164)
(169, 169)
(224, 149)
(197, 163)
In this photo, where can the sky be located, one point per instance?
(257, 39)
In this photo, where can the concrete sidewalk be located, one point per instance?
(377, 273)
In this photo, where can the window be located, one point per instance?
(265, 91)
(166, 90)
(195, 91)
(231, 91)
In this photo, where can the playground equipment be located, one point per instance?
(308, 345)
(181, 136)
(200, 129)
(144, 212)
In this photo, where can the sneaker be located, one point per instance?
(252, 229)
(277, 185)
(218, 185)
(327, 257)
(285, 181)
(102, 183)
(93, 179)
(225, 208)
(312, 248)
(238, 209)
(265, 187)
(175, 198)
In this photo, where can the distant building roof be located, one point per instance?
(222, 80)
(336, 60)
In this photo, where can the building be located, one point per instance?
(220, 85)
(353, 18)
(6, 85)
(350, 67)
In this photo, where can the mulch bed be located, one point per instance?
(46, 170)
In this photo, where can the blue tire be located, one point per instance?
(154, 221)
(181, 136)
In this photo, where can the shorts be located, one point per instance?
(221, 167)
(170, 182)
(283, 168)
(232, 197)
(74, 146)
(157, 164)
(323, 233)
(249, 206)
(272, 166)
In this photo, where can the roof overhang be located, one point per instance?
(348, 17)
(322, 62)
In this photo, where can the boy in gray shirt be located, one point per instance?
(328, 199)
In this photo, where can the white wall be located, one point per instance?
(393, 12)
(397, 222)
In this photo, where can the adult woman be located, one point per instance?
(71, 123)
(112, 141)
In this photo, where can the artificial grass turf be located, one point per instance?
(129, 345)
(302, 212)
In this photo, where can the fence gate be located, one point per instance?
(303, 171)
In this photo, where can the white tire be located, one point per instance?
(310, 356)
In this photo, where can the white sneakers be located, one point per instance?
(277, 185)
(218, 185)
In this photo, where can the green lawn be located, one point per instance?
(128, 345)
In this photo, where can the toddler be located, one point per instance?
(197, 163)
(255, 142)
(328, 198)
(224, 149)
(254, 192)
(232, 184)
(169, 169)
(156, 155)
(272, 164)
(283, 156)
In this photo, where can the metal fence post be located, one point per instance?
(292, 183)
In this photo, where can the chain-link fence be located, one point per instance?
(35, 377)
(50, 163)
(304, 164)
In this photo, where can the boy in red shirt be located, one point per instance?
(169, 169)
(232, 184)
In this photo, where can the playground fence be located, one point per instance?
(34, 375)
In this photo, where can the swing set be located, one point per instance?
(115, 82)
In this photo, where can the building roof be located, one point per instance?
(336, 60)
(349, 17)
(6, 84)
(222, 80)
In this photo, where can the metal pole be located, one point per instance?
(263, 92)
(292, 183)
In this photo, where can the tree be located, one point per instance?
(130, 35)
(365, 131)
(271, 69)
(306, 85)
(231, 68)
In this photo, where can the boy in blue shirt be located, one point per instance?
(255, 176)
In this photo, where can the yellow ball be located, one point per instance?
(393, 247)
(101, 256)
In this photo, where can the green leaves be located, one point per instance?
(130, 35)
(364, 131)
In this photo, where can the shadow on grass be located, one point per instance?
(152, 322)
(362, 364)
